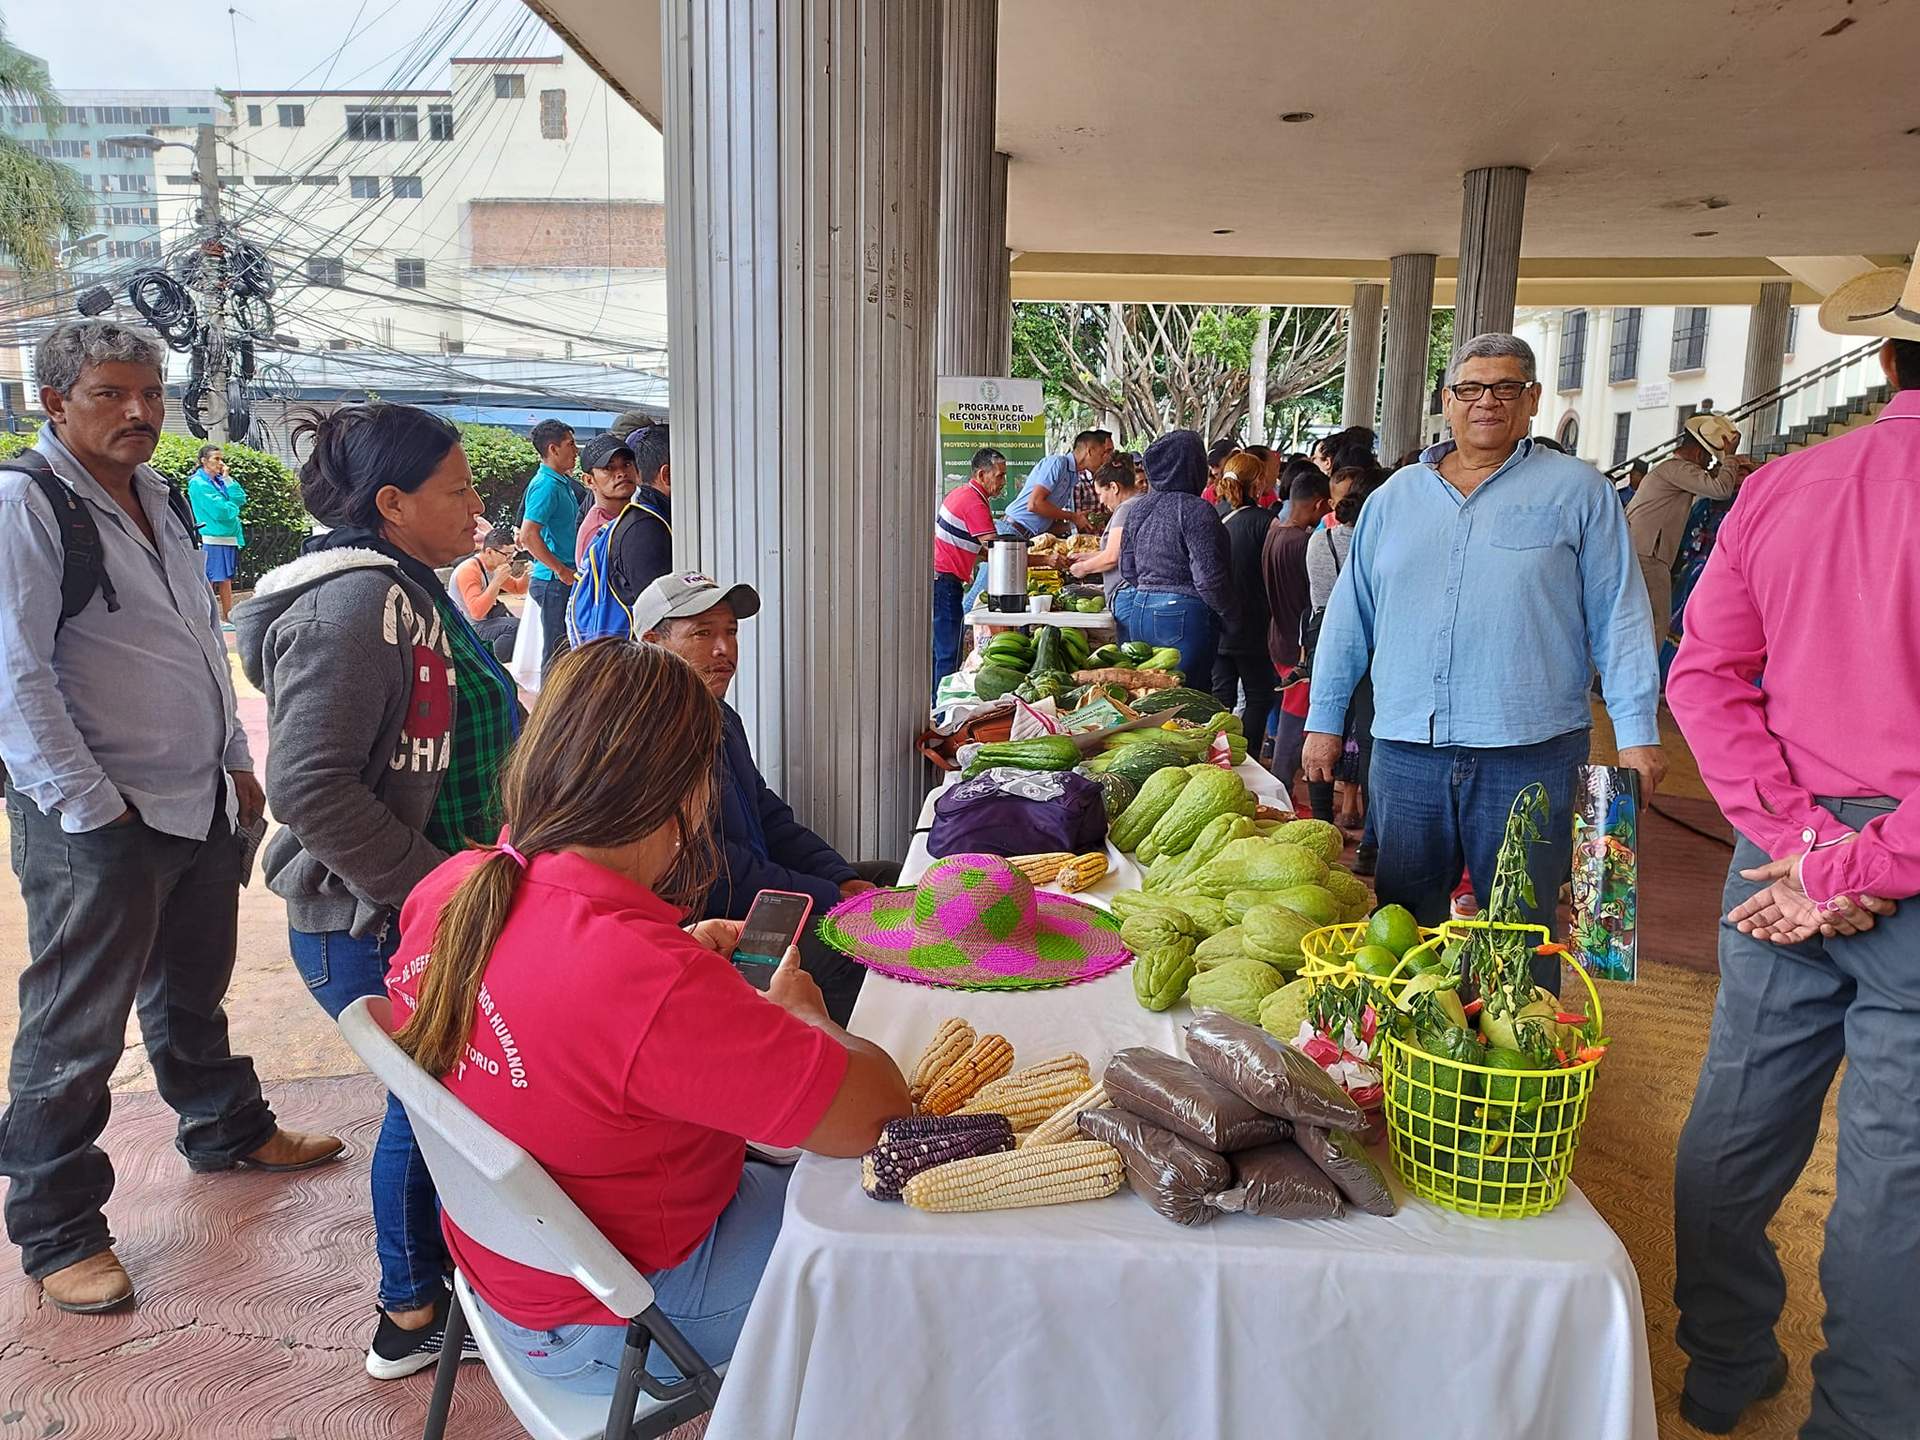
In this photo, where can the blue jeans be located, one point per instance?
(552, 596)
(949, 627)
(1159, 618)
(706, 1296)
(1785, 1016)
(339, 968)
(1438, 808)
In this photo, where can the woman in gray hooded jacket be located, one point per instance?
(388, 721)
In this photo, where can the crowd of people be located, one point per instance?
(550, 898)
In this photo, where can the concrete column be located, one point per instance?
(803, 177)
(1766, 351)
(1362, 388)
(1000, 295)
(1409, 321)
(1492, 204)
(973, 234)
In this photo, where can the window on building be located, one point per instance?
(326, 270)
(337, 343)
(406, 187)
(1569, 433)
(263, 181)
(1623, 356)
(253, 114)
(1689, 338)
(1793, 329)
(410, 274)
(383, 122)
(509, 87)
(293, 117)
(553, 114)
(319, 179)
(440, 122)
(364, 187)
(453, 347)
(1622, 436)
(1573, 349)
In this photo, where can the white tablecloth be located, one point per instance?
(1103, 1319)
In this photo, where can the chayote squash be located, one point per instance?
(1257, 864)
(1162, 946)
(1129, 903)
(1171, 871)
(1355, 900)
(1320, 836)
(1209, 916)
(1283, 1012)
(1236, 987)
(1273, 934)
(1220, 947)
(1210, 792)
(1312, 901)
(1156, 797)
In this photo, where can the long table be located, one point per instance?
(1103, 1319)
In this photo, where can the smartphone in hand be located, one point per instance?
(773, 925)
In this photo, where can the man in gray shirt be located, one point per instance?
(127, 775)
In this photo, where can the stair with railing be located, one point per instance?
(1846, 411)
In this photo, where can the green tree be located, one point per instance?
(40, 200)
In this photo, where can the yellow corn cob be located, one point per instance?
(952, 1040)
(1064, 1123)
(1029, 1096)
(1050, 1175)
(1041, 869)
(1082, 872)
(988, 1058)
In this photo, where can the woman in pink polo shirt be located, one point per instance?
(553, 985)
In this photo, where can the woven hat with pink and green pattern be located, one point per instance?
(976, 923)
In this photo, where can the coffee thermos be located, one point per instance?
(1007, 573)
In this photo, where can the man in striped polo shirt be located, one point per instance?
(962, 522)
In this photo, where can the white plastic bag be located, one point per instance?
(529, 649)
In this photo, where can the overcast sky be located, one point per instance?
(188, 45)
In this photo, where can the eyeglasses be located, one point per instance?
(1504, 391)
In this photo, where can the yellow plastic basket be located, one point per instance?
(1325, 961)
(1485, 1141)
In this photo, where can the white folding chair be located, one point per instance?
(500, 1196)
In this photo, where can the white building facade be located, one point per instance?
(517, 213)
(1616, 381)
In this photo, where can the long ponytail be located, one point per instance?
(623, 741)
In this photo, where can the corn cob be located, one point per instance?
(911, 1145)
(1041, 869)
(1051, 1175)
(1029, 1096)
(1082, 872)
(1064, 1124)
(952, 1040)
(988, 1058)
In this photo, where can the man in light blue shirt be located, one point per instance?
(1045, 501)
(1485, 585)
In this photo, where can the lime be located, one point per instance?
(1393, 927)
(1375, 960)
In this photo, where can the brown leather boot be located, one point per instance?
(286, 1150)
(293, 1150)
(88, 1286)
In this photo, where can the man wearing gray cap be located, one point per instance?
(764, 845)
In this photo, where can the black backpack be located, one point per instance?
(84, 563)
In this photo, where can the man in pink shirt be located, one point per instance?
(960, 528)
(1798, 686)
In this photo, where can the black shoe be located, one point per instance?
(396, 1352)
(1721, 1422)
(1365, 858)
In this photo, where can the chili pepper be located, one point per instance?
(1550, 948)
(1560, 1055)
(1567, 1017)
(1473, 1007)
(1592, 1052)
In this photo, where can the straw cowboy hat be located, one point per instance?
(1883, 302)
(1713, 430)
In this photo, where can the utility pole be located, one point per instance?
(212, 284)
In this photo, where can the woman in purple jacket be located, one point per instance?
(1173, 556)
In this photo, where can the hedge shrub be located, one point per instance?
(503, 463)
